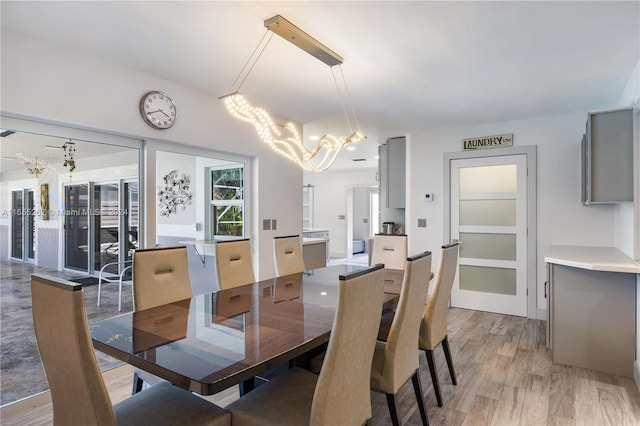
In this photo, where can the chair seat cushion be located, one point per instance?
(285, 400)
(166, 404)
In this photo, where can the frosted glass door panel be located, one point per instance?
(488, 246)
(488, 212)
(488, 280)
(488, 179)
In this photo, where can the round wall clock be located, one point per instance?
(158, 110)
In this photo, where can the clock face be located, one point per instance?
(158, 110)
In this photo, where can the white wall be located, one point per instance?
(627, 219)
(562, 219)
(628, 214)
(41, 80)
(330, 202)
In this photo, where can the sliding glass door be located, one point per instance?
(23, 224)
(76, 227)
(101, 228)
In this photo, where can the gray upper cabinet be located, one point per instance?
(607, 157)
(393, 172)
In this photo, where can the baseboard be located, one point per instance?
(636, 374)
(542, 314)
(38, 400)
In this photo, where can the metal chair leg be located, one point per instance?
(137, 384)
(447, 355)
(434, 375)
(391, 401)
(417, 387)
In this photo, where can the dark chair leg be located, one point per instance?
(418, 390)
(434, 375)
(391, 401)
(137, 384)
(447, 355)
(247, 386)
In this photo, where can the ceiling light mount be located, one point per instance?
(288, 31)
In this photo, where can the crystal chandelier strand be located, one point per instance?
(320, 158)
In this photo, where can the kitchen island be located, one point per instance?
(591, 295)
(315, 252)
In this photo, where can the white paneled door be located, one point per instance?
(489, 219)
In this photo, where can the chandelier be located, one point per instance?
(284, 138)
(38, 167)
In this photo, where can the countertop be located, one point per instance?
(608, 259)
(306, 241)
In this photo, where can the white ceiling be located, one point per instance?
(407, 64)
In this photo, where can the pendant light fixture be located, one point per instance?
(285, 139)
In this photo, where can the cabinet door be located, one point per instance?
(396, 172)
(609, 157)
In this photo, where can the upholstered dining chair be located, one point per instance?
(287, 252)
(390, 250)
(233, 263)
(78, 391)
(396, 360)
(433, 329)
(340, 395)
(160, 276)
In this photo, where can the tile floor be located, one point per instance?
(21, 372)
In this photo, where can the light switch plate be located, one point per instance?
(422, 223)
(266, 224)
(274, 224)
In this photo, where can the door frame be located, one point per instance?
(532, 230)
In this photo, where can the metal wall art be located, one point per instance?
(174, 193)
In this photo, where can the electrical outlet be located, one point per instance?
(422, 223)
(428, 197)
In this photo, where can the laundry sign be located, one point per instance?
(487, 142)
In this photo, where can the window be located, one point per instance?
(227, 201)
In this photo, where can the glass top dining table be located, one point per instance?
(214, 341)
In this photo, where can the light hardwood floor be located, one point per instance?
(505, 377)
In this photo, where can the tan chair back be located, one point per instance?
(342, 395)
(59, 318)
(287, 252)
(234, 264)
(400, 359)
(434, 323)
(160, 276)
(390, 250)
